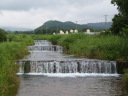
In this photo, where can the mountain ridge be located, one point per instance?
(58, 25)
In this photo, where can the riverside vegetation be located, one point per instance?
(100, 46)
(13, 49)
(109, 47)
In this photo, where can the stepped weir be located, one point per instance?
(66, 65)
(92, 77)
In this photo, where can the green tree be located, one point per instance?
(120, 20)
(2, 35)
(122, 6)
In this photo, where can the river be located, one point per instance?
(49, 77)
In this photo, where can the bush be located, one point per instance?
(2, 35)
(20, 38)
(124, 32)
(55, 38)
(69, 39)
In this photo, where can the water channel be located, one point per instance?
(52, 73)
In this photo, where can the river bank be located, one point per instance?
(14, 49)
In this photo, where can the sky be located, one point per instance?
(34, 13)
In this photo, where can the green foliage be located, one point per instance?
(105, 47)
(20, 38)
(120, 20)
(122, 6)
(9, 52)
(92, 46)
(54, 38)
(67, 40)
(40, 37)
(124, 31)
(125, 79)
(2, 35)
(27, 67)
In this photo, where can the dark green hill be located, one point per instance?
(54, 26)
(58, 25)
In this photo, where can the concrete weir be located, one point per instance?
(48, 62)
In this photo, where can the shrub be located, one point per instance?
(2, 35)
(20, 38)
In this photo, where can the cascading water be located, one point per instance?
(44, 45)
(46, 60)
(81, 66)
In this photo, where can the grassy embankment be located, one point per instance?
(14, 49)
(92, 46)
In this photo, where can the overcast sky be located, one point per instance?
(33, 13)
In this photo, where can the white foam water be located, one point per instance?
(61, 75)
(52, 65)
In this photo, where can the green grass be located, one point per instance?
(91, 46)
(9, 52)
(106, 47)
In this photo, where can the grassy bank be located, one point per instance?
(91, 46)
(10, 51)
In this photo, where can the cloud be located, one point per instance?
(33, 13)
(46, 4)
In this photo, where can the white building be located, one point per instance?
(66, 32)
(61, 32)
(76, 31)
(88, 31)
(71, 31)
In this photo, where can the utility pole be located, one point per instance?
(76, 25)
(105, 21)
(56, 28)
(46, 29)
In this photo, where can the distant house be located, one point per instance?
(61, 32)
(71, 31)
(76, 31)
(88, 31)
(66, 32)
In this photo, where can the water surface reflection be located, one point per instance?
(80, 86)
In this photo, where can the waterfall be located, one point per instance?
(81, 66)
(44, 45)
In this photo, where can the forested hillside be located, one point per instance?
(55, 26)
